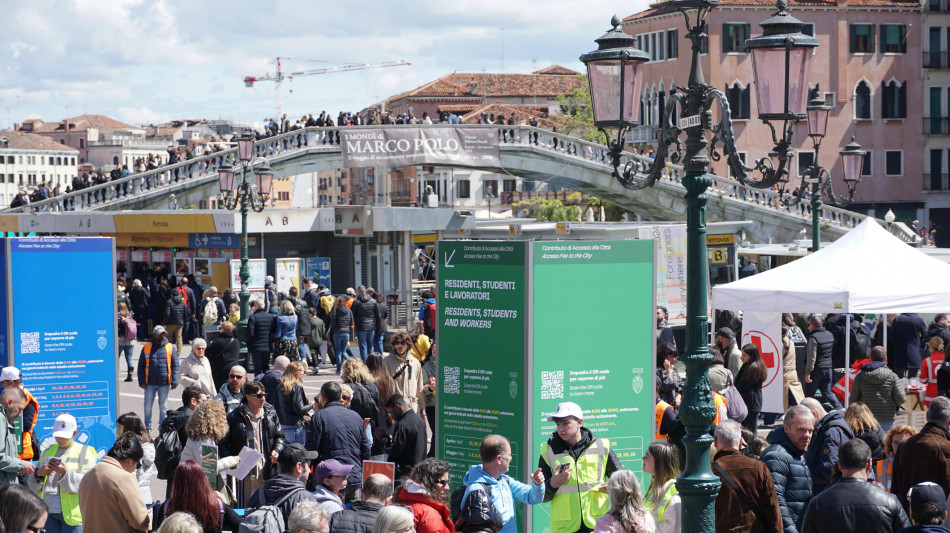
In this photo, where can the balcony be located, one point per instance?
(937, 182)
(936, 60)
(936, 125)
(643, 134)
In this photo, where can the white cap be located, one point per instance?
(64, 427)
(566, 409)
(10, 373)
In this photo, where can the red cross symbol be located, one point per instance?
(769, 352)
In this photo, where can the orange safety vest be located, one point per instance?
(168, 360)
(28, 452)
(661, 408)
(721, 404)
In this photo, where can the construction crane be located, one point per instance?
(280, 76)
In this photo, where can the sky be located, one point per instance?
(150, 61)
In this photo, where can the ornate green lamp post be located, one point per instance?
(248, 194)
(781, 59)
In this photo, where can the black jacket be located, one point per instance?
(749, 389)
(276, 488)
(359, 518)
(853, 504)
(292, 407)
(366, 313)
(341, 319)
(239, 428)
(271, 382)
(223, 353)
(409, 442)
(139, 297)
(337, 432)
(303, 319)
(175, 311)
(825, 347)
(259, 327)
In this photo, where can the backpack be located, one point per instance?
(368, 407)
(430, 316)
(210, 314)
(736, 408)
(266, 518)
(128, 328)
(860, 342)
(463, 520)
(168, 450)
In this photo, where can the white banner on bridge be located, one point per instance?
(670, 266)
(418, 145)
(765, 331)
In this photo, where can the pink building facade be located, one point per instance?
(867, 68)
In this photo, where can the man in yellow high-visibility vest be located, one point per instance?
(575, 465)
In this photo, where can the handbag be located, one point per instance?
(736, 408)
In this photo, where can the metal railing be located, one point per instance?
(509, 137)
(936, 125)
(936, 60)
(936, 182)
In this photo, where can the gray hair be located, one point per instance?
(180, 522)
(257, 302)
(392, 518)
(798, 411)
(939, 410)
(729, 432)
(306, 515)
(199, 343)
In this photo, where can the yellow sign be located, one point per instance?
(165, 223)
(155, 240)
(424, 238)
(563, 228)
(719, 256)
(723, 238)
(10, 223)
(514, 230)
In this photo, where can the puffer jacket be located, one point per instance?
(174, 310)
(158, 373)
(240, 431)
(341, 319)
(853, 504)
(791, 477)
(259, 327)
(365, 313)
(880, 389)
(359, 518)
(429, 516)
(504, 492)
(303, 319)
(831, 433)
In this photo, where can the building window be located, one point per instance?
(4, 143)
(866, 167)
(490, 189)
(672, 44)
(738, 101)
(734, 36)
(862, 101)
(893, 38)
(805, 160)
(81, 143)
(510, 186)
(829, 99)
(862, 38)
(465, 189)
(894, 100)
(893, 163)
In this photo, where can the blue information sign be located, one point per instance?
(214, 240)
(318, 268)
(68, 358)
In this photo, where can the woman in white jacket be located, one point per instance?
(196, 369)
(130, 422)
(206, 427)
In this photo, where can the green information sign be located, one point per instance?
(18, 430)
(592, 336)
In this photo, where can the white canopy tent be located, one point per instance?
(868, 270)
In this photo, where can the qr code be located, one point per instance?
(450, 380)
(552, 385)
(30, 342)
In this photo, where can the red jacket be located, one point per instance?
(429, 516)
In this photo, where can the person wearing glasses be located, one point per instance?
(21, 510)
(109, 494)
(231, 394)
(254, 424)
(426, 492)
(407, 373)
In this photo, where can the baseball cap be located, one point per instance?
(158, 330)
(350, 290)
(295, 453)
(925, 493)
(64, 426)
(725, 332)
(566, 409)
(10, 373)
(330, 467)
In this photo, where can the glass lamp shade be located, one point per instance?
(226, 178)
(264, 178)
(817, 117)
(615, 74)
(852, 159)
(245, 147)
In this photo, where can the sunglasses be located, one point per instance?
(36, 529)
(443, 482)
(400, 343)
(232, 376)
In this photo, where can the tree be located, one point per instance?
(579, 113)
(549, 210)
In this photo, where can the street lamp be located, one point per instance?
(781, 58)
(852, 158)
(247, 194)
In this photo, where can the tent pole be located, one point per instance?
(847, 358)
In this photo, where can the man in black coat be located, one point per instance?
(337, 433)
(852, 504)
(819, 358)
(360, 517)
(908, 329)
(366, 316)
(409, 435)
(254, 410)
(259, 327)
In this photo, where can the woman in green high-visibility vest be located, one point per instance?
(662, 462)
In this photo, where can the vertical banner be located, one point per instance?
(481, 303)
(670, 266)
(318, 268)
(287, 274)
(765, 331)
(68, 358)
(602, 360)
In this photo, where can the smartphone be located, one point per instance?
(55, 461)
(563, 467)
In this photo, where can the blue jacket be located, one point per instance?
(285, 327)
(158, 370)
(504, 492)
(791, 476)
(831, 433)
(337, 432)
(422, 308)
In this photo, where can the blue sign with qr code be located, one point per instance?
(67, 357)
